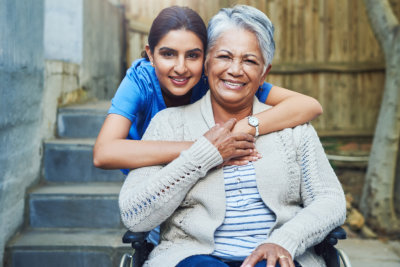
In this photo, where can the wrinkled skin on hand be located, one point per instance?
(230, 145)
(273, 253)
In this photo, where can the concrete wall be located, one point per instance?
(49, 51)
(84, 52)
(21, 88)
(103, 63)
(88, 33)
(63, 38)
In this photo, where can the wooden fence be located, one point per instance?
(325, 48)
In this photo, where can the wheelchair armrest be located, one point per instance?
(136, 239)
(334, 235)
(140, 245)
(326, 248)
(330, 240)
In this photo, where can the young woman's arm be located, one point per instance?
(289, 110)
(113, 151)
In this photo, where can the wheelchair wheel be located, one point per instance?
(343, 258)
(126, 260)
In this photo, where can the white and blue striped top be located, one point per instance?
(247, 219)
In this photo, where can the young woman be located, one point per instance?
(171, 74)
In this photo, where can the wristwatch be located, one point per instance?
(253, 121)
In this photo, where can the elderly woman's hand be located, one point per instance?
(230, 145)
(273, 253)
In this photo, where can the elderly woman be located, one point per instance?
(273, 210)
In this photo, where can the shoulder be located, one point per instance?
(305, 134)
(165, 125)
(294, 137)
(141, 68)
(173, 114)
(263, 91)
(139, 87)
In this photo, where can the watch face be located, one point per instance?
(253, 121)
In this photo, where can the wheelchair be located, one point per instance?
(334, 257)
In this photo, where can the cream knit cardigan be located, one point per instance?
(187, 196)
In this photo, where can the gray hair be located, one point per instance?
(248, 18)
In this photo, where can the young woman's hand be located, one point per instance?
(270, 252)
(245, 159)
(230, 145)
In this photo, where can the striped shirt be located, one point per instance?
(247, 219)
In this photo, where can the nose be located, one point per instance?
(235, 68)
(180, 66)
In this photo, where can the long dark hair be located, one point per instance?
(176, 18)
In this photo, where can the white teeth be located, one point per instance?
(180, 80)
(233, 84)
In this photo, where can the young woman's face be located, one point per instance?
(178, 61)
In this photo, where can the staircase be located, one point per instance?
(72, 215)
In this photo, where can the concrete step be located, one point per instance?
(82, 121)
(66, 248)
(91, 205)
(71, 160)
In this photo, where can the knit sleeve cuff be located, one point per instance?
(284, 240)
(204, 154)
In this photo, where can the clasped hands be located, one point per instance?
(235, 146)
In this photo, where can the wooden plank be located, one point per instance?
(287, 68)
(136, 26)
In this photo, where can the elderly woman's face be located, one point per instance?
(235, 68)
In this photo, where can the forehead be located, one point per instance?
(180, 40)
(238, 41)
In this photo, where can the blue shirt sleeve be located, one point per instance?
(129, 98)
(263, 92)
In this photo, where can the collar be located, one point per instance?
(207, 112)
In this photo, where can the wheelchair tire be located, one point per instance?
(126, 260)
(344, 258)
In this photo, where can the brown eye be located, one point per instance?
(223, 57)
(167, 54)
(193, 55)
(253, 62)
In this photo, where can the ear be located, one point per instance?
(148, 52)
(265, 74)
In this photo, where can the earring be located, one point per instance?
(204, 77)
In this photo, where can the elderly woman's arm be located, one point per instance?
(323, 200)
(150, 195)
(323, 197)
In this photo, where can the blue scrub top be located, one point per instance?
(139, 97)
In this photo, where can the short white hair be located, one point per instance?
(248, 18)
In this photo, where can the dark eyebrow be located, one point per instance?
(164, 48)
(194, 50)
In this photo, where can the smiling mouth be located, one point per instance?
(179, 80)
(233, 85)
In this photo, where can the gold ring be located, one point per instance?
(283, 257)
